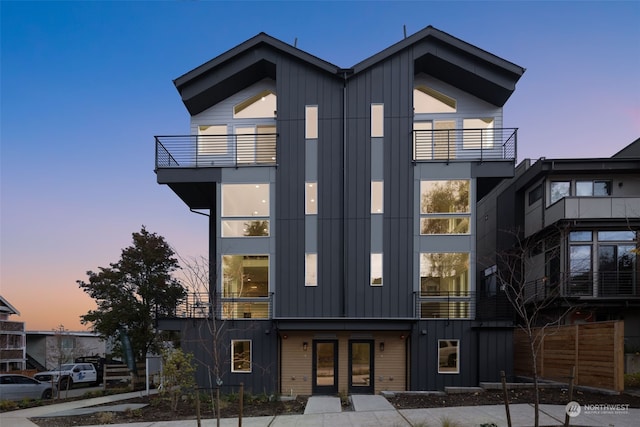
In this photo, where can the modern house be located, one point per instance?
(342, 215)
(574, 224)
(13, 354)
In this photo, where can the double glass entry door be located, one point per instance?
(326, 361)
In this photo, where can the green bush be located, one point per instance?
(632, 380)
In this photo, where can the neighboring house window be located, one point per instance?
(241, 356)
(377, 120)
(535, 194)
(67, 343)
(593, 188)
(376, 269)
(377, 197)
(311, 122)
(478, 133)
(311, 269)
(444, 285)
(245, 210)
(311, 198)
(602, 263)
(245, 286)
(448, 356)
(490, 281)
(445, 207)
(559, 190)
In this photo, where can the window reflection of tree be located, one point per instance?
(444, 274)
(256, 228)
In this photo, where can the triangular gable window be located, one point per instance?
(427, 100)
(261, 105)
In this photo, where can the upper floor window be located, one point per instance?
(445, 207)
(428, 100)
(377, 197)
(377, 120)
(311, 122)
(578, 188)
(260, 105)
(311, 269)
(245, 210)
(376, 269)
(559, 190)
(593, 188)
(212, 139)
(245, 286)
(311, 198)
(478, 133)
(535, 194)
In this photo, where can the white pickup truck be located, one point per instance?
(70, 374)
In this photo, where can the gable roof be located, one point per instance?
(6, 307)
(434, 52)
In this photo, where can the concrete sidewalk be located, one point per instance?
(368, 410)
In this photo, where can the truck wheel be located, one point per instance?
(66, 383)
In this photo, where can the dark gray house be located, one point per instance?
(574, 226)
(342, 215)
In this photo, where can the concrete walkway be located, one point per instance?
(367, 410)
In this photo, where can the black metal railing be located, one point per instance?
(199, 151)
(462, 305)
(465, 144)
(200, 305)
(604, 284)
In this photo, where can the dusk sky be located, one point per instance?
(85, 86)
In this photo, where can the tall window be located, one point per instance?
(478, 133)
(241, 356)
(212, 139)
(311, 198)
(444, 285)
(245, 210)
(376, 269)
(377, 197)
(245, 286)
(377, 120)
(311, 269)
(311, 122)
(445, 207)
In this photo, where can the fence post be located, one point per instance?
(241, 402)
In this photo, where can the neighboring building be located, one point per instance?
(342, 215)
(48, 349)
(13, 355)
(574, 224)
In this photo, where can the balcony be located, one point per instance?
(209, 151)
(198, 305)
(603, 285)
(592, 207)
(465, 145)
(463, 305)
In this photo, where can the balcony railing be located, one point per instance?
(604, 284)
(462, 305)
(199, 151)
(465, 144)
(198, 305)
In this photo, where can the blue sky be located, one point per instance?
(86, 85)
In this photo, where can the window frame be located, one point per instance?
(311, 122)
(233, 353)
(460, 219)
(377, 260)
(311, 263)
(232, 216)
(457, 358)
(377, 120)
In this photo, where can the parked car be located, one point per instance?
(70, 374)
(19, 387)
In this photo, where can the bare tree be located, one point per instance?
(535, 291)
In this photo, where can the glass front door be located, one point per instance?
(325, 367)
(361, 374)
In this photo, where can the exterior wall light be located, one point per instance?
(305, 346)
(381, 346)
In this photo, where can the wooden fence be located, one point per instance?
(121, 373)
(595, 349)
